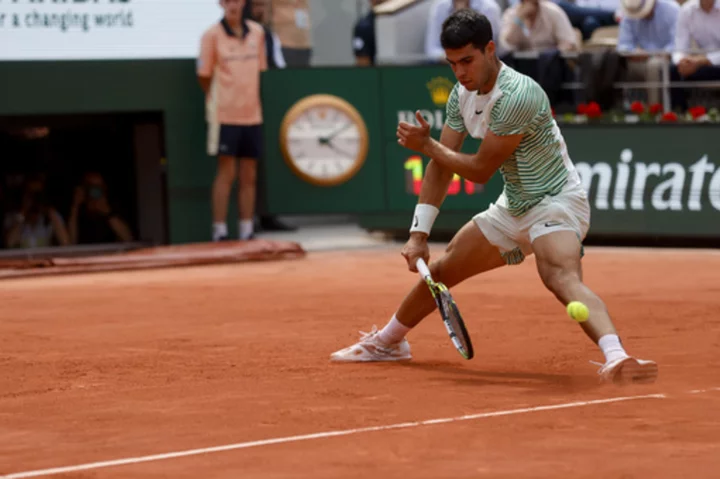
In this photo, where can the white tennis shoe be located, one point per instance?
(629, 370)
(369, 348)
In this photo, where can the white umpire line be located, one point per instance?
(322, 435)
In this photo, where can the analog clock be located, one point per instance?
(324, 140)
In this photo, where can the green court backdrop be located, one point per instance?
(643, 180)
(659, 180)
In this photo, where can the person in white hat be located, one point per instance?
(647, 36)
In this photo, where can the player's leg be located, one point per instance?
(250, 152)
(246, 196)
(558, 255)
(468, 254)
(221, 188)
(222, 140)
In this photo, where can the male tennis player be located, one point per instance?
(543, 209)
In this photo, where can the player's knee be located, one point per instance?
(225, 173)
(559, 280)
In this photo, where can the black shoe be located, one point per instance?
(271, 223)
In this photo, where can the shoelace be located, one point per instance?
(597, 364)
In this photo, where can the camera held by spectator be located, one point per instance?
(92, 220)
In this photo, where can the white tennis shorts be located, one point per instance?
(513, 236)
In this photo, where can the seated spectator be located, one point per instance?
(589, 15)
(259, 11)
(290, 20)
(92, 220)
(537, 25)
(647, 27)
(36, 224)
(441, 10)
(363, 41)
(698, 22)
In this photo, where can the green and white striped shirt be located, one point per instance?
(517, 105)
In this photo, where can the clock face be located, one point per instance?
(324, 140)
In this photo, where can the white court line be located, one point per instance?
(319, 435)
(698, 391)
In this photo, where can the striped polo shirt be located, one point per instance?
(517, 105)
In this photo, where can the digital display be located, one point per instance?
(414, 171)
(103, 29)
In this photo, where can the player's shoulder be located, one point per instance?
(213, 30)
(515, 84)
(255, 28)
(519, 90)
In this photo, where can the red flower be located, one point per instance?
(669, 116)
(552, 110)
(582, 109)
(655, 108)
(697, 112)
(637, 107)
(593, 110)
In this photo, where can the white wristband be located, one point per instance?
(424, 218)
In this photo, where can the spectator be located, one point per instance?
(234, 110)
(698, 22)
(92, 220)
(647, 28)
(290, 19)
(258, 10)
(37, 224)
(537, 25)
(363, 41)
(589, 15)
(441, 9)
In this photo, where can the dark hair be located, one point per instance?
(466, 26)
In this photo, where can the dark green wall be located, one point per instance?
(167, 86)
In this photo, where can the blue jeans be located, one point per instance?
(587, 20)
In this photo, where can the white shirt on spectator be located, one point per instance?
(609, 5)
(441, 9)
(696, 24)
(552, 26)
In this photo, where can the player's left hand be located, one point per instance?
(414, 137)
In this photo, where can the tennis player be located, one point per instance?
(543, 208)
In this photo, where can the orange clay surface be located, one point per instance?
(108, 366)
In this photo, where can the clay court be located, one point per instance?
(222, 371)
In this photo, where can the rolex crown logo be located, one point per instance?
(440, 88)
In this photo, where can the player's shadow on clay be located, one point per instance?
(540, 382)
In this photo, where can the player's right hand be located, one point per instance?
(416, 247)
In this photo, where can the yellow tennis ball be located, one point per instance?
(578, 311)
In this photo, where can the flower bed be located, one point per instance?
(638, 113)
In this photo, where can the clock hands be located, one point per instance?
(338, 150)
(326, 140)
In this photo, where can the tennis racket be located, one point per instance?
(449, 312)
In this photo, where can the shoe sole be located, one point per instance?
(634, 372)
(356, 359)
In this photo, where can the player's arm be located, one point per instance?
(480, 166)
(437, 178)
(206, 62)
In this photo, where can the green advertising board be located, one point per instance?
(642, 179)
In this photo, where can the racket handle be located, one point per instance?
(422, 268)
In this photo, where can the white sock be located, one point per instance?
(219, 231)
(393, 332)
(611, 347)
(246, 228)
